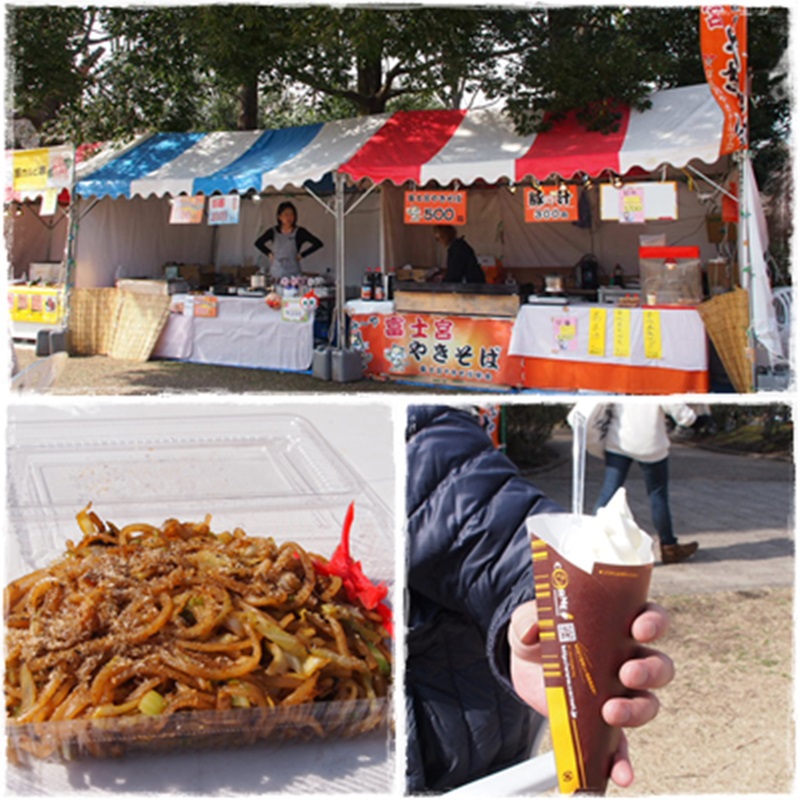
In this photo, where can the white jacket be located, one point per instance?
(639, 431)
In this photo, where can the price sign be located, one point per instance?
(551, 203)
(423, 207)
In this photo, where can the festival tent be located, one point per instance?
(679, 134)
(681, 131)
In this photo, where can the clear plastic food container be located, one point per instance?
(281, 479)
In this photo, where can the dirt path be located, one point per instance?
(726, 721)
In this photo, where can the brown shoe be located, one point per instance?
(673, 553)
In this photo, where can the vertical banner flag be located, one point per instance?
(723, 46)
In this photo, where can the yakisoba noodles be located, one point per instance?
(145, 620)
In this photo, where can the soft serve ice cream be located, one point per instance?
(592, 575)
(610, 537)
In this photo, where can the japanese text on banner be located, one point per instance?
(223, 209)
(723, 46)
(440, 348)
(597, 332)
(622, 332)
(651, 322)
(435, 207)
(551, 203)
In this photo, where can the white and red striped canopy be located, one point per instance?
(682, 125)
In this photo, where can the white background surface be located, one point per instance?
(363, 434)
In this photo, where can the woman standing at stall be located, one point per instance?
(284, 243)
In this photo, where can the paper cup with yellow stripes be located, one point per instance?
(585, 617)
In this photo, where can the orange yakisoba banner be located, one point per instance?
(723, 45)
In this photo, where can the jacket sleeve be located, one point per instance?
(683, 414)
(467, 505)
(261, 242)
(304, 237)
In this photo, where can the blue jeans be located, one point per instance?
(656, 478)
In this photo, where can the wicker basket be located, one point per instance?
(139, 321)
(727, 318)
(92, 315)
(120, 324)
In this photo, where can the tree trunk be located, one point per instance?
(248, 105)
(372, 99)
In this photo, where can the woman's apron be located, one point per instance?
(284, 250)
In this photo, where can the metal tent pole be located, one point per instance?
(743, 246)
(338, 208)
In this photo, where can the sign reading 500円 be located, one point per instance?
(435, 208)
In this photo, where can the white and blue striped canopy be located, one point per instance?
(225, 161)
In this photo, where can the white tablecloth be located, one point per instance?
(683, 337)
(245, 333)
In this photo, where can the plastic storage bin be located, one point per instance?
(670, 276)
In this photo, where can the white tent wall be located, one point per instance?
(134, 238)
(30, 240)
(496, 228)
(235, 243)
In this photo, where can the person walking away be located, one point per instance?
(638, 432)
(286, 243)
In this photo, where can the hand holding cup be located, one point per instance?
(649, 670)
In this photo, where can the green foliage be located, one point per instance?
(89, 73)
(754, 428)
(528, 429)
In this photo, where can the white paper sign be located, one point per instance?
(295, 310)
(187, 210)
(660, 200)
(49, 202)
(223, 209)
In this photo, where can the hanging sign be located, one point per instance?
(423, 207)
(723, 47)
(30, 172)
(187, 210)
(223, 209)
(659, 201)
(49, 204)
(551, 203)
(631, 200)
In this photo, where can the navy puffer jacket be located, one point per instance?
(469, 567)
